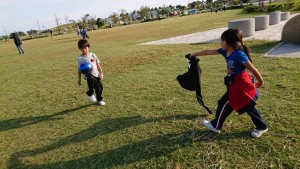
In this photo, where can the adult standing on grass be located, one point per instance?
(51, 33)
(241, 92)
(18, 43)
(95, 76)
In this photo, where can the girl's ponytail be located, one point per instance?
(239, 34)
(247, 51)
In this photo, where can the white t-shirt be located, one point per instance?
(93, 59)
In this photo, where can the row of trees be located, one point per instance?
(123, 17)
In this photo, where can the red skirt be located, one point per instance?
(241, 91)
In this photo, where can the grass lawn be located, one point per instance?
(46, 120)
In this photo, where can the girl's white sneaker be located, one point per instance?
(257, 133)
(92, 98)
(209, 126)
(102, 103)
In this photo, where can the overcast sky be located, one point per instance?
(23, 15)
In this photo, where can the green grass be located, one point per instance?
(149, 121)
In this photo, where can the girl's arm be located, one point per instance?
(256, 73)
(205, 52)
(100, 71)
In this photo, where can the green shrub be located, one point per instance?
(251, 9)
(235, 7)
(272, 8)
(287, 6)
(296, 8)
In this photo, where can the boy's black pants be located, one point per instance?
(224, 110)
(94, 83)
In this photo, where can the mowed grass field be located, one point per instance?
(149, 121)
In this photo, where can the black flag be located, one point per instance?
(191, 79)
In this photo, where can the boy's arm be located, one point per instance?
(205, 52)
(79, 77)
(100, 71)
(256, 74)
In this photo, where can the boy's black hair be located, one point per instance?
(83, 43)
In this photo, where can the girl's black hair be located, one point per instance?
(234, 38)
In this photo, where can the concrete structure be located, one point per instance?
(246, 25)
(285, 16)
(261, 22)
(291, 30)
(274, 17)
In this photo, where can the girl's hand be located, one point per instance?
(188, 56)
(259, 84)
(101, 76)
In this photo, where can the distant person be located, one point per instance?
(262, 6)
(51, 33)
(94, 74)
(18, 43)
(241, 94)
(217, 10)
(78, 29)
(83, 33)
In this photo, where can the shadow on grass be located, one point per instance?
(144, 150)
(66, 41)
(262, 47)
(25, 121)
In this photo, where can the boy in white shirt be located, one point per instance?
(93, 78)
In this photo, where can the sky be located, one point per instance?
(23, 15)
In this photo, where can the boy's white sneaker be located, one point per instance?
(92, 98)
(257, 133)
(102, 103)
(209, 126)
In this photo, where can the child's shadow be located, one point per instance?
(143, 150)
(25, 121)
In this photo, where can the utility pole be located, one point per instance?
(39, 25)
(4, 30)
(6, 34)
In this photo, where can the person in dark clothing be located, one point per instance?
(51, 33)
(18, 43)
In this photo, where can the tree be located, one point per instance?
(164, 11)
(100, 22)
(180, 7)
(20, 33)
(58, 24)
(92, 22)
(193, 5)
(85, 20)
(67, 19)
(134, 15)
(124, 16)
(114, 18)
(144, 11)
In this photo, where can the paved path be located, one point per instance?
(272, 33)
(285, 49)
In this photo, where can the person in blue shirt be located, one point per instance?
(241, 94)
(83, 33)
